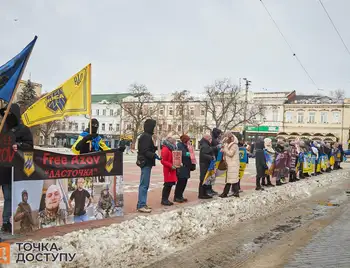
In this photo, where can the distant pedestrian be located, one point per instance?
(127, 146)
(216, 145)
(146, 159)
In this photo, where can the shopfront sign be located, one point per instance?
(262, 129)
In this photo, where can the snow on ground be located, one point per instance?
(139, 241)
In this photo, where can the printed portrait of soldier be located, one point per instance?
(53, 214)
(24, 214)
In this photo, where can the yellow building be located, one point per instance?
(316, 118)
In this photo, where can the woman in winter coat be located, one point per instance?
(231, 156)
(169, 170)
(184, 172)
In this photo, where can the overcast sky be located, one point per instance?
(183, 44)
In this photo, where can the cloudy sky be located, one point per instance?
(183, 44)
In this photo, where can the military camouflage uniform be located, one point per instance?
(105, 203)
(27, 221)
(49, 220)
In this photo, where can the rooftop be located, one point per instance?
(95, 98)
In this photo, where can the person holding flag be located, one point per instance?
(10, 76)
(87, 143)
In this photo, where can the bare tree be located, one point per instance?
(138, 110)
(338, 94)
(226, 106)
(47, 129)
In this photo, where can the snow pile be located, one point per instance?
(142, 239)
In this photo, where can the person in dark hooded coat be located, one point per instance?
(260, 164)
(206, 155)
(146, 159)
(23, 141)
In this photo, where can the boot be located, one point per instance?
(269, 184)
(279, 183)
(6, 227)
(291, 177)
(226, 190)
(165, 195)
(235, 189)
(210, 191)
(258, 186)
(263, 182)
(301, 175)
(295, 176)
(202, 192)
(239, 186)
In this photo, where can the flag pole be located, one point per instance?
(90, 105)
(15, 90)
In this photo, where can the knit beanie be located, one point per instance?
(184, 138)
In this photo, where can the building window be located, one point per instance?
(97, 112)
(324, 118)
(128, 127)
(312, 117)
(201, 129)
(111, 112)
(179, 128)
(104, 112)
(83, 126)
(275, 116)
(300, 117)
(171, 112)
(70, 126)
(117, 127)
(161, 110)
(202, 112)
(103, 127)
(63, 126)
(336, 117)
(170, 127)
(110, 128)
(289, 117)
(192, 111)
(118, 111)
(76, 127)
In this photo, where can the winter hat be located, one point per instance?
(184, 138)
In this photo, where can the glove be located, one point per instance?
(188, 154)
(157, 157)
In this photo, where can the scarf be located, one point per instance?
(170, 145)
(95, 141)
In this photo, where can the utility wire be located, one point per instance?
(335, 28)
(290, 47)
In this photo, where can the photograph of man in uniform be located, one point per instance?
(79, 196)
(24, 214)
(105, 205)
(52, 215)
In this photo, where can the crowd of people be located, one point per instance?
(228, 152)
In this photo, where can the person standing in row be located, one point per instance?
(169, 170)
(184, 172)
(260, 164)
(146, 159)
(206, 155)
(216, 145)
(231, 157)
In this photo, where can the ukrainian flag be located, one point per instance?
(213, 169)
(11, 72)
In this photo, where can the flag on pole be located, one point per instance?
(73, 97)
(11, 72)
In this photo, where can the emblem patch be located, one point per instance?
(109, 161)
(29, 167)
(56, 101)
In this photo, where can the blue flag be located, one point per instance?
(12, 71)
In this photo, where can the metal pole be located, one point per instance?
(246, 106)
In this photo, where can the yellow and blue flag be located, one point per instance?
(11, 72)
(73, 97)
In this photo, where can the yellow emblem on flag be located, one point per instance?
(109, 161)
(73, 97)
(29, 167)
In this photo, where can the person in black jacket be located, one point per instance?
(184, 172)
(215, 144)
(206, 155)
(146, 159)
(23, 141)
(260, 163)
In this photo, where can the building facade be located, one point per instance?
(316, 118)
